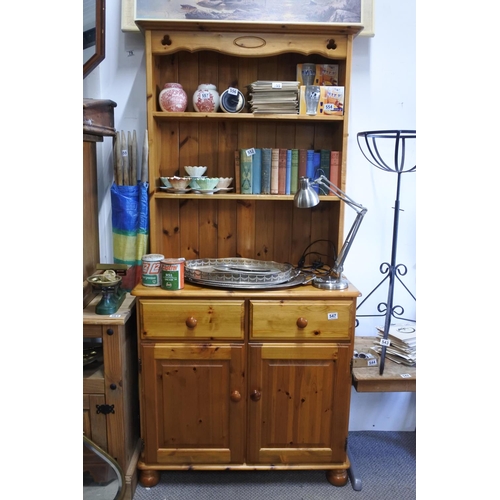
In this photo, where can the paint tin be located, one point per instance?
(172, 274)
(151, 264)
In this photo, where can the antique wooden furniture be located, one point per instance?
(238, 379)
(110, 393)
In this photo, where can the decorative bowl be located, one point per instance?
(224, 182)
(178, 183)
(195, 171)
(207, 183)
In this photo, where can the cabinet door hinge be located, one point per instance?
(105, 409)
(346, 443)
(351, 365)
(139, 365)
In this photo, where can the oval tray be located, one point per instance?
(299, 279)
(238, 270)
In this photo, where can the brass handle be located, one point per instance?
(236, 396)
(191, 322)
(302, 322)
(255, 396)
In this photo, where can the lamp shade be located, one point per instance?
(306, 196)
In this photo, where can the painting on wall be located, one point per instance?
(260, 11)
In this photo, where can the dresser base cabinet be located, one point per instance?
(276, 395)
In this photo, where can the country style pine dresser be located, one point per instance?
(242, 379)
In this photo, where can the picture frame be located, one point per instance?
(367, 17)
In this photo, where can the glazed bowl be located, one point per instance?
(207, 183)
(178, 183)
(195, 171)
(224, 182)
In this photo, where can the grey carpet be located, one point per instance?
(384, 461)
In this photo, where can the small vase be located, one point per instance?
(173, 98)
(206, 98)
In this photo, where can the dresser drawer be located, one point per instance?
(302, 320)
(191, 320)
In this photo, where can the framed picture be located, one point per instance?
(290, 12)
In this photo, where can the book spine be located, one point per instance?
(266, 171)
(275, 155)
(335, 168)
(310, 164)
(257, 171)
(324, 169)
(302, 163)
(316, 167)
(246, 171)
(288, 180)
(282, 171)
(294, 181)
(237, 172)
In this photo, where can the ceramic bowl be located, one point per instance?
(224, 182)
(207, 182)
(195, 171)
(178, 183)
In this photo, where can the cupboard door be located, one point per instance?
(194, 403)
(298, 403)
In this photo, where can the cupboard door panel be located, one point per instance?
(193, 413)
(298, 403)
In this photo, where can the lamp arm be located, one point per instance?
(338, 265)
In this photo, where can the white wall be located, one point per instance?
(382, 98)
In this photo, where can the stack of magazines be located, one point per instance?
(274, 97)
(403, 343)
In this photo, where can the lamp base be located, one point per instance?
(330, 283)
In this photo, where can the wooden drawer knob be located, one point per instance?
(236, 396)
(191, 322)
(255, 396)
(302, 322)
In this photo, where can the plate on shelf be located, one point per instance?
(177, 191)
(206, 191)
(224, 190)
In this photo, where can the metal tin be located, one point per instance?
(151, 264)
(172, 274)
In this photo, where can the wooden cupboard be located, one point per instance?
(242, 379)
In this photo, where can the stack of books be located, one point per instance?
(279, 97)
(403, 343)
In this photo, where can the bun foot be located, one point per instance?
(149, 478)
(337, 477)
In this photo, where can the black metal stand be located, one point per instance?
(367, 142)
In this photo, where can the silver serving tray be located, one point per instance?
(299, 279)
(238, 271)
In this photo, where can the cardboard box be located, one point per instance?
(331, 101)
(326, 74)
(365, 359)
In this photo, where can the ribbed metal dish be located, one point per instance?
(238, 271)
(298, 279)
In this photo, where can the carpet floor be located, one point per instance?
(383, 462)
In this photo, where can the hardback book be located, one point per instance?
(265, 181)
(312, 166)
(324, 169)
(335, 168)
(275, 157)
(282, 171)
(288, 178)
(257, 171)
(246, 171)
(294, 181)
(237, 172)
(302, 162)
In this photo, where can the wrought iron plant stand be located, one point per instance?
(369, 144)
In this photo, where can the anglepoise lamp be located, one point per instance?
(307, 197)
